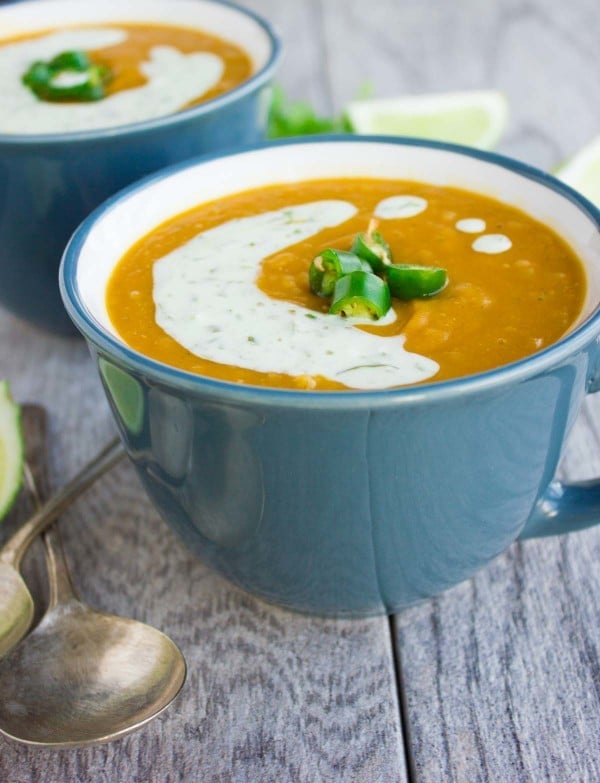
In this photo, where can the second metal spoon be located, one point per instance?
(82, 676)
(16, 603)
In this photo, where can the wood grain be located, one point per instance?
(271, 695)
(509, 663)
(305, 68)
(542, 55)
(501, 675)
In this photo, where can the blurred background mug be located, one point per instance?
(50, 182)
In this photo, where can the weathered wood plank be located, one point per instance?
(305, 68)
(502, 674)
(543, 56)
(271, 695)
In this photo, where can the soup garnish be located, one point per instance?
(86, 78)
(223, 290)
(373, 248)
(411, 281)
(360, 296)
(70, 76)
(329, 266)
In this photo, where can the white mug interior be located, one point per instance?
(133, 216)
(221, 20)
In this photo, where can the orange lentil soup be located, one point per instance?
(498, 305)
(124, 59)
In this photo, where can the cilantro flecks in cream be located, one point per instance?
(207, 299)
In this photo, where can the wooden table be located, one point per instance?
(496, 680)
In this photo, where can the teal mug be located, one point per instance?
(359, 502)
(49, 182)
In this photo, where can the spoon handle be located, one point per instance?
(15, 548)
(35, 475)
(61, 589)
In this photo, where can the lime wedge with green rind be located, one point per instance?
(476, 118)
(11, 449)
(582, 172)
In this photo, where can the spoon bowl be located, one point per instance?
(85, 677)
(16, 603)
(82, 676)
(17, 607)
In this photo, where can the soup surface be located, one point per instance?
(155, 70)
(222, 290)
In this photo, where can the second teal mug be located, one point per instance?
(50, 182)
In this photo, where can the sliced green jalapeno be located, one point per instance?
(74, 60)
(410, 281)
(361, 295)
(38, 76)
(329, 266)
(70, 76)
(372, 248)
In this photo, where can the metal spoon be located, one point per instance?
(16, 603)
(82, 676)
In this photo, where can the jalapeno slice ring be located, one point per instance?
(331, 265)
(411, 281)
(70, 76)
(361, 295)
(372, 248)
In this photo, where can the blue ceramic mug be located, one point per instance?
(351, 502)
(50, 182)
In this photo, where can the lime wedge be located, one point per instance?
(476, 118)
(582, 172)
(11, 449)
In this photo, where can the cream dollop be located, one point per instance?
(471, 225)
(398, 207)
(492, 244)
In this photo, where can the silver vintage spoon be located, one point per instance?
(16, 603)
(84, 676)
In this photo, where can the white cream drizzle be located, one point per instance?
(396, 207)
(471, 225)
(206, 299)
(174, 79)
(492, 244)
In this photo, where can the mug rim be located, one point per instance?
(165, 120)
(431, 390)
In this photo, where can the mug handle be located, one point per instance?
(565, 508)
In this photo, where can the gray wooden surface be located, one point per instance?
(498, 679)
